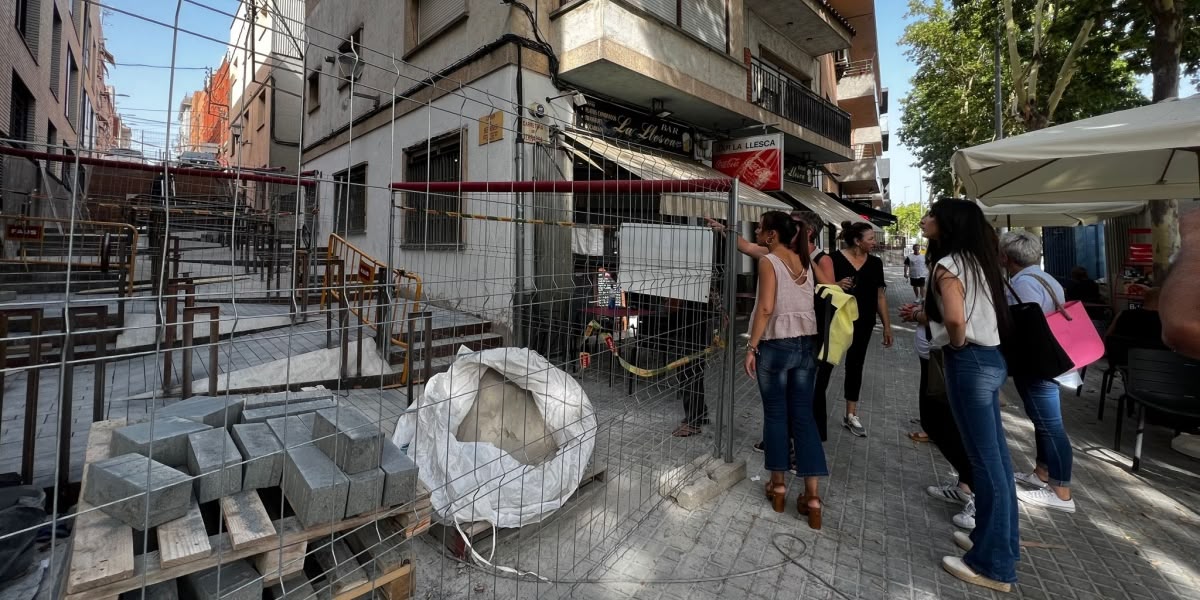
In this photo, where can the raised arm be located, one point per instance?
(824, 270)
(743, 245)
(1179, 304)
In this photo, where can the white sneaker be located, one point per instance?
(855, 426)
(966, 518)
(1030, 480)
(949, 492)
(963, 541)
(956, 567)
(1046, 498)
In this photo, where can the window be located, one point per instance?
(51, 143)
(433, 16)
(349, 69)
(21, 112)
(438, 160)
(69, 105)
(704, 19)
(313, 90)
(28, 15)
(262, 107)
(56, 55)
(350, 201)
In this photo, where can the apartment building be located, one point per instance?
(860, 92)
(52, 95)
(204, 116)
(490, 91)
(266, 41)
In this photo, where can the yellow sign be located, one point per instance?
(491, 128)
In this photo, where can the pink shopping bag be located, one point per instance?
(1076, 333)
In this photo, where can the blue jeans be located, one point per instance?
(974, 375)
(1041, 398)
(786, 373)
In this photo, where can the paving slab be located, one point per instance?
(237, 580)
(123, 486)
(214, 411)
(400, 475)
(291, 431)
(261, 415)
(347, 436)
(262, 452)
(255, 401)
(165, 437)
(314, 486)
(216, 461)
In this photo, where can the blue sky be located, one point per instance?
(134, 41)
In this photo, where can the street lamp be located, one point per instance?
(235, 130)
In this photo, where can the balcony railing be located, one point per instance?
(854, 68)
(865, 151)
(793, 101)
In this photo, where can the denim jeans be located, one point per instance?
(786, 373)
(974, 375)
(1041, 398)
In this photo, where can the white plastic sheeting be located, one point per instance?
(476, 481)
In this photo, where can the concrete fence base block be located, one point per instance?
(708, 479)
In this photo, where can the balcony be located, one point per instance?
(812, 25)
(861, 175)
(788, 98)
(858, 91)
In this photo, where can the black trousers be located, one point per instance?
(690, 389)
(820, 399)
(856, 355)
(938, 423)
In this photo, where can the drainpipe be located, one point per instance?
(519, 305)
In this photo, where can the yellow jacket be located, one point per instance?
(840, 332)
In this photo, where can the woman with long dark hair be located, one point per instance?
(782, 355)
(967, 314)
(860, 274)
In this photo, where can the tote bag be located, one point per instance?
(1031, 348)
(1074, 330)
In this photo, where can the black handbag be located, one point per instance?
(1030, 348)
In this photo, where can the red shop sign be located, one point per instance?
(14, 232)
(756, 161)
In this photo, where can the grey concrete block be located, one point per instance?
(295, 588)
(214, 411)
(122, 481)
(263, 454)
(314, 486)
(238, 581)
(261, 415)
(279, 398)
(400, 475)
(347, 436)
(168, 439)
(216, 461)
(366, 492)
(338, 565)
(291, 431)
(166, 590)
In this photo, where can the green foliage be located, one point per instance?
(950, 104)
(908, 221)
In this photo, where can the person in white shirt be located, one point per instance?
(1050, 481)
(916, 271)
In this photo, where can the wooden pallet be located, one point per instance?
(103, 563)
(478, 531)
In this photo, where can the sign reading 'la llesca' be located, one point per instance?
(612, 121)
(757, 160)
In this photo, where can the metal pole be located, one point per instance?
(998, 109)
(725, 418)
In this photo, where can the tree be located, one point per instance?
(950, 104)
(908, 221)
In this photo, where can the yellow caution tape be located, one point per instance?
(585, 358)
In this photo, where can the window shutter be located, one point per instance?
(432, 15)
(663, 9)
(705, 19)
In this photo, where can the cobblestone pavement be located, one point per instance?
(1133, 535)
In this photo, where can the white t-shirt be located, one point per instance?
(916, 266)
(977, 305)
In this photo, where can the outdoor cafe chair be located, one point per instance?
(1165, 382)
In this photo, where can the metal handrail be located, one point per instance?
(32, 250)
(793, 100)
(854, 68)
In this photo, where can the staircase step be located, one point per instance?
(449, 346)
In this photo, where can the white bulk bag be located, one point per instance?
(476, 481)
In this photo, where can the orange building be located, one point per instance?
(209, 130)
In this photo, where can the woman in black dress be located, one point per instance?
(860, 274)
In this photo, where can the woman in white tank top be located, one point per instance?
(782, 356)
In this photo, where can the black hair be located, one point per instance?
(795, 231)
(852, 232)
(963, 232)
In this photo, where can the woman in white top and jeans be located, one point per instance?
(782, 356)
(967, 314)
